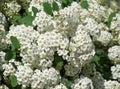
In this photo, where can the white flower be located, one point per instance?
(8, 69)
(60, 86)
(3, 87)
(98, 81)
(2, 19)
(73, 68)
(43, 22)
(105, 37)
(96, 10)
(45, 78)
(116, 72)
(24, 74)
(115, 23)
(12, 8)
(25, 35)
(114, 54)
(112, 84)
(83, 83)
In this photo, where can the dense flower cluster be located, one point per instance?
(12, 8)
(83, 83)
(116, 72)
(61, 47)
(113, 54)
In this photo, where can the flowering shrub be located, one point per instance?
(59, 44)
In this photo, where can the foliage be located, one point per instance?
(66, 82)
(26, 18)
(110, 18)
(13, 81)
(84, 4)
(66, 3)
(49, 8)
(102, 62)
(13, 48)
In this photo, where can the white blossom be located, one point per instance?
(45, 78)
(112, 84)
(116, 72)
(12, 8)
(8, 69)
(83, 83)
(105, 37)
(24, 74)
(60, 86)
(114, 54)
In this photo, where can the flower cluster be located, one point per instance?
(45, 78)
(83, 83)
(72, 48)
(113, 54)
(11, 8)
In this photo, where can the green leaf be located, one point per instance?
(14, 43)
(35, 10)
(64, 1)
(9, 55)
(58, 61)
(6, 32)
(27, 20)
(27, 11)
(47, 8)
(84, 4)
(15, 20)
(55, 6)
(100, 52)
(13, 81)
(96, 59)
(59, 65)
(66, 82)
(112, 43)
(26, 17)
(111, 16)
(14, 55)
(70, 1)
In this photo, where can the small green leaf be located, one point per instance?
(27, 11)
(70, 1)
(59, 65)
(58, 61)
(27, 20)
(14, 43)
(111, 16)
(55, 6)
(64, 1)
(47, 8)
(15, 20)
(9, 55)
(6, 32)
(84, 4)
(100, 52)
(14, 55)
(26, 17)
(35, 10)
(66, 82)
(112, 43)
(96, 59)
(13, 81)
